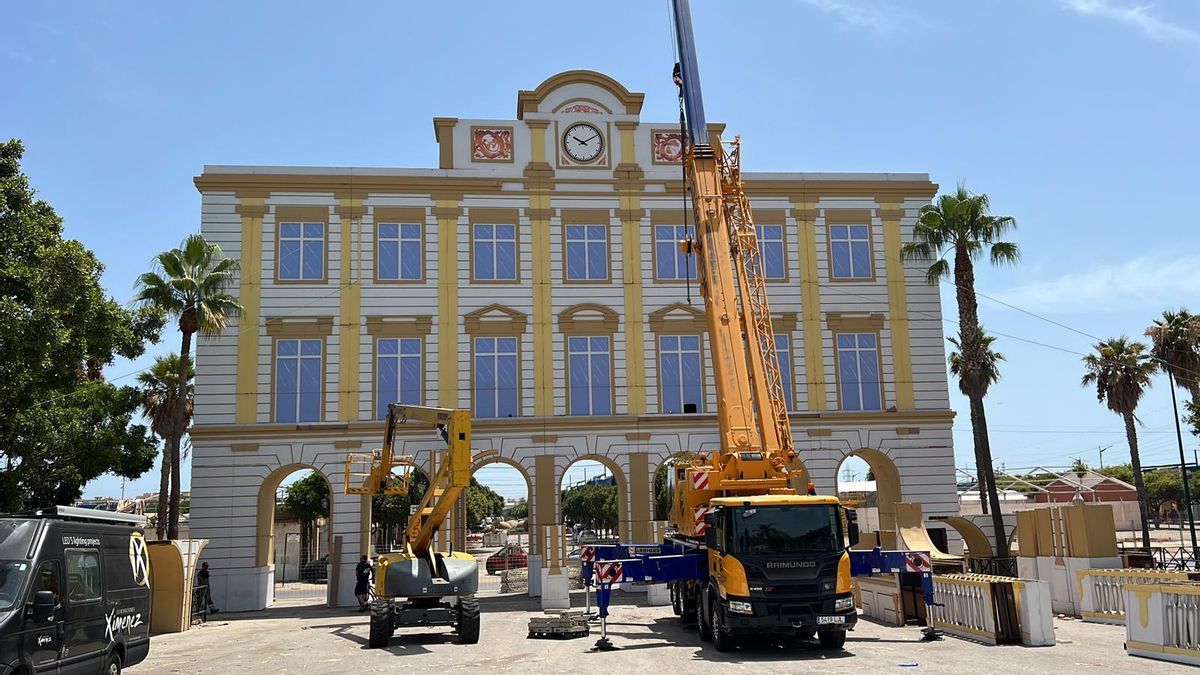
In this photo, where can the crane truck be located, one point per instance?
(412, 584)
(745, 554)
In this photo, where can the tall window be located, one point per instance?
(783, 346)
(397, 373)
(669, 261)
(589, 375)
(399, 252)
(495, 254)
(850, 251)
(587, 252)
(298, 380)
(858, 371)
(770, 251)
(301, 251)
(679, 373)
(496, 377)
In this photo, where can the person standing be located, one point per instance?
(362, 583)
(203, 579)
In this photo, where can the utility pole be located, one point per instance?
(1187, 493)
(1102, 454)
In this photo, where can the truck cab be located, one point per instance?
(777, 565)
(74, 592)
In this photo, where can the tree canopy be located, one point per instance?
(63, 424)
(592, 505)
(482, 501)
(308, 498)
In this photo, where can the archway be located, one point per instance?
(388, 514)
(294, 534)
(496, 513)
(593, 500)
(870, 478)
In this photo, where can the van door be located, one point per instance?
(86, 627)
(44, 643)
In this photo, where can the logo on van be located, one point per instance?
(139, 560)
(117, 621)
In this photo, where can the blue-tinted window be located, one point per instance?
(399, 251)
(670, 262)
(298, 380)
(679, 373)
(496, 377)
(589, 375)
(397, 373)
(850, 251)
(783, 346)
(301, 251)
(770, 251)
(495, 254)
(858, 371)
(587, 252)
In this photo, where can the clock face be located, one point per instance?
(583, 142)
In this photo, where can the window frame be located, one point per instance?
(658, 352)
(474, 379)
(274, 409)
(870, 243)
(837, 354)
(67, 551)
(568, 222)
(789, 387)
(400, 218)
(612, 375)
(654, 254)
(783, 251)
(302, 215)
(399, 356)
(493, 218)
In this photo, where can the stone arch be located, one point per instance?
(887, 483)
(265, 517)
(976, 539)
(529, 101)
(624, 525)
(486, 457)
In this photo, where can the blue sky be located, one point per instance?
(1076, 116)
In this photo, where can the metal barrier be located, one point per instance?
(1101, 592)
(993, 609)
(1165, 557)
(1000, 567)
(967, 607)
(1164, 621)
(199, 605)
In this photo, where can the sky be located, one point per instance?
(1077, 117)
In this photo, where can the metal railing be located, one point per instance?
(199, 604)
(1165, 557)
(1000, 567)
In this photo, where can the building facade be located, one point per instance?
(534, 278)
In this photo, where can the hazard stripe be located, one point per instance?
(700, 480)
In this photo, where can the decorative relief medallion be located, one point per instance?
(668, 147)
(491, 144)
(582, 108)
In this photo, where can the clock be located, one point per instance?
(583, 142)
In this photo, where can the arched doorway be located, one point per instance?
(593, 501)
(294, 535)
(388, 514)
(496, 513)
(867, 479)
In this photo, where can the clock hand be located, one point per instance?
(590, 139)
(576, 139)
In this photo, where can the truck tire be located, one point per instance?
(112, 666)
(468, 620)
(381, 625)
(832, 639)
(676, 605)
(721, 639)
(702, 618)
(687, 606)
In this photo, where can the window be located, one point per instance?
(589, 375)
(858, 371)
(850, 251)
(495, 252)
(298, 380)
(587, 252)
(496, 383)
(399, 252)
(301, 251)
(770, 251)
(783, 347)
(669, 262)
(679, 373)
(397, 373)
(83, 575)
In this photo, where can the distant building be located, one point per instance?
(1090, 486)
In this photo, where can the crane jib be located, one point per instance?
(693, 99)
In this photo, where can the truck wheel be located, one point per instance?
(468, 620)
(832, 639)
(113, 665)
(722, 641)
(381, 625)
(676, 605)
(702, 619)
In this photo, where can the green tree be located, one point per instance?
(592, 505)
(190, 283)
(61, 423)
(518, 511)
(308, 500)
(159, 389)
(1121, 372)
(960, 226)
(390, 512)
(482, 501)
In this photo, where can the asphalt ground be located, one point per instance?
(320, 640)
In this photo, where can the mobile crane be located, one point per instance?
(412, 583)
(745, 554)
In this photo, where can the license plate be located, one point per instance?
(823, 620)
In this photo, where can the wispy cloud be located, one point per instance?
(859, 14)
(1148, 283)
(1135, 16)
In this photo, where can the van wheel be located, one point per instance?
(113, 665)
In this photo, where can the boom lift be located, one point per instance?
(745, 554)
(412, 583)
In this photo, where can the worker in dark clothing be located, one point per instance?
(362, 583)
(202, 579)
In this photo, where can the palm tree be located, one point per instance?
(1121, 371)
(189, 284)
(959, 224)
(990, 375)
(1176, 339)
(159, 390)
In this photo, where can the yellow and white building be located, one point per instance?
(533, 277)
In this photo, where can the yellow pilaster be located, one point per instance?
(350, 211)
(629, 184)
(251, 211)
(448, 211)
(537, 174)
(810, 299)
(641, 487)
(891, 214)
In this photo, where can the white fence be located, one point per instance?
(968, 609)
(1163, 621)
(1102, 592)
